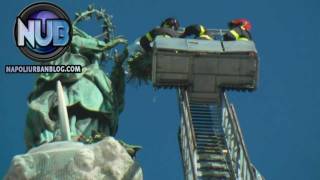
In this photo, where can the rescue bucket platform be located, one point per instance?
(204, 67)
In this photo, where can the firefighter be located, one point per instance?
(239, 30)
(167, 28)
(196, 30)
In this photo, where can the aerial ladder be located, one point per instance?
(210, 138)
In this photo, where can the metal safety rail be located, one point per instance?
(211, 142)
(237, 150)
(186, 136)
(216, 34)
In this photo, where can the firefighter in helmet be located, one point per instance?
(167, 28)
(197, 31)
(239, 30)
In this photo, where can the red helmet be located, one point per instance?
(241, 22)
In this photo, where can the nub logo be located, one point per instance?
(43, 32)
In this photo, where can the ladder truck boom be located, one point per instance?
(211, 142)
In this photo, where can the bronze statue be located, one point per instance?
(94, 99)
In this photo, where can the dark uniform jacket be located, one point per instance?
(237, 33)
(196, 30)
(150, 36)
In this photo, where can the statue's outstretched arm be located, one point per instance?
(114, 42)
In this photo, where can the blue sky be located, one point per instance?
(280, 121)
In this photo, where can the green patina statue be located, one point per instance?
(94, 99)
